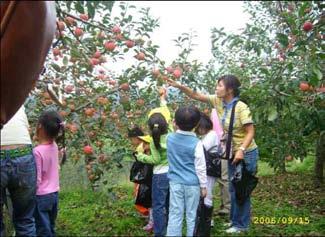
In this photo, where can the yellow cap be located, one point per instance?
(164, 111)
(146, 138)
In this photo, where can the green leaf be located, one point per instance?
(273, 114)
(79, 7)
(91, 9)
(283, 39)
(318, 73)
(65, 60)
(303, 8)
(56, 67)
(108, 4)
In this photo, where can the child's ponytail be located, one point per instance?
(158, 126)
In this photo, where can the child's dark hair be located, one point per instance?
(158, 126)
(205, 123)
(135, 132)
(187, 117)
(231, 82)
(52, 123)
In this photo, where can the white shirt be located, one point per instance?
(15, 132)
(210, 139)
(199, 162)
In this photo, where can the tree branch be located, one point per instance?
(93, 100)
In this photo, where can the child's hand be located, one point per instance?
(162, 93)
(203, 192)
(173, 83)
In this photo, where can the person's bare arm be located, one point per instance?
(188, 91)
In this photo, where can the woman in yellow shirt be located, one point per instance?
(226, 94)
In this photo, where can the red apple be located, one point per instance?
(125, 86)
(84, 17)
(97, 54)
(101, 35)
(68, 89)
(70, 21)
(61, 25)
(78, 32)
(140, 56)
(88, 150)
(116, 29)
(304, 86)
(129, 43)
(110, 45)
(155, 73)
(119, 37)
(56, 51)
(94, 61)
(308, 26)
(177, 73)
(170, 69)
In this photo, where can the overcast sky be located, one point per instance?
(176, 17)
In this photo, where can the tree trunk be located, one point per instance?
(319, 161)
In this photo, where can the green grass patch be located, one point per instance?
(289, 199)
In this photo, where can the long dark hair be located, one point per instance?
(231, 82)
(158, 126)
(204, 124)
(52, 123)
(135, 131)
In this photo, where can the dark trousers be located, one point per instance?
(46, 212)
(18, 175)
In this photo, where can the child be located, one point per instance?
(187, 171)
(158, 123)
(137, 137)
(209, 140)
(46, 155)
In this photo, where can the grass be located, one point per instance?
(286, 197)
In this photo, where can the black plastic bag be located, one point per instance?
(203, 219)
(143, 197)
(141, 173)
(213, 162)
(244, 182)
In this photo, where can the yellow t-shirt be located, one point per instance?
(242, 116)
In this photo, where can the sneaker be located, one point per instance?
(148, 227)
(233, 230)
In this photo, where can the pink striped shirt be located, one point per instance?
(47, 164)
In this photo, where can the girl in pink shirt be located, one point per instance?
(46, 155)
